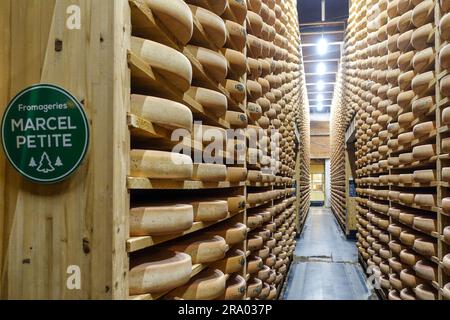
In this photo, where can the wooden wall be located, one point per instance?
(81, 222)
(320, 140)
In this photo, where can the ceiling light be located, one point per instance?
(320, 85)
(321, 68)
(320, 97)
(319, 107)
(322, 47)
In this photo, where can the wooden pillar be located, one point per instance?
(81, 221)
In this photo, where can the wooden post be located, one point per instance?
(82, 221)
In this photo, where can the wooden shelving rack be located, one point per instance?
(84, 221)
(384, 46)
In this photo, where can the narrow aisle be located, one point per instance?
(325, 265)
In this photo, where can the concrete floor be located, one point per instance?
(325, 265)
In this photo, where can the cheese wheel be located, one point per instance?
(270, 260)
(446, 291)
(426, 270)
(425, 223)
(445, 90)
(233, 234)
(233, 262)
(236, 174)
(396, 265)
(254, 243)
(236, 287)
(160, 165)
(209, 172)
(445, 145)
(273, 293)
(178, 72)
(236, 119)
(254, 90)
(404, 41)
(176, 17)
(444, 27)
(409, 279)
(254, 287)
(424, 152)
(236, 60)
(214, 64)
(395, 281)
(407, 198)
(406, 218)
(236, 9)
(424, 129)
(409, 257)
(263, 252)
(425, 200)
(163, 112)
(423, 60)
(209, 211)
(254, 264)
(211, 101)
(216, 6)
(236, 89)
(159, 273)
(236, 35)
(236, 204)
(446, 233)
(405, 138)
(395, 246)
(265, 291)
(446, 174)
(422, 106)
(425, 246)
(444, 57)
(404, 61)
(160, 220)
(425, 292)
(254, 23)
(212, 25)
(404, 120)
(254, 5)
(423, 13)
(423, 84)
(393, 295)
(424, 176)
(404, 99)
(423, 37)
(407, 294)
(254, 47)
(202, 249)
(446, 264)
(254, 111)
(408, 237)
(207, 285)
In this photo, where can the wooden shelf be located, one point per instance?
(135, 183)
(139, 243)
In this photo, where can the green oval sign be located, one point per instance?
(45, 133)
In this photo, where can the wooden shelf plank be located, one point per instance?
(136, 183)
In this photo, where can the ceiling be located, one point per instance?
(322, 22)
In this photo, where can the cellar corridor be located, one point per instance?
(325, 264)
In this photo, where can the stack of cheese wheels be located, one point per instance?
(273, 93)
(389, 82)
(344, 111)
